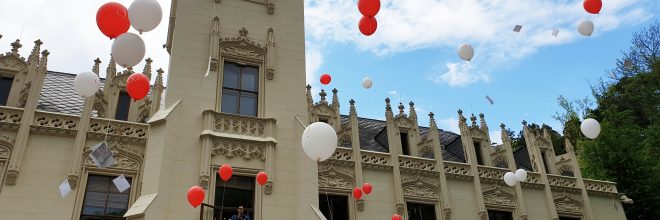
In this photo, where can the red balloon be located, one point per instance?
(357, 193)
(225, 172)
(325, 79)
(195, 196)
(262, 178)
(367, 188)
(396, 217)
(369, 8)
(137, 86)
(112, 19)
(592, 6)
(368, 25)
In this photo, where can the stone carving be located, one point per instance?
(331, 176)
(342, 154)
(447, 213)
(5, 151)
(416, 163)
(11, 176)
(600, 186)
(566, 203)
(268, 187)
(360, 205)
(118, 131)
(566, 170)
(419, 187)
(501, 161)
(561, 181)
(55, 124)
(375, 160)
(345, 140)
(204, 181)
(25, 92)
(235, 148)
(240, 125)
(491, 172)
(426, 149)
(242, 52)
(498, 196)
(10, 118)
(400, 208)
(242, 47)
(11, 62)
(457, 170)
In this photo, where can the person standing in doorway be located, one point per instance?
(240, 215)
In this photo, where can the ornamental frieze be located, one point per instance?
(420, 187)
(247, 150)
(499, 196)
(567, 203)
(332, 176)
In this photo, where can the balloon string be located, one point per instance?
(222, 204)
(327, 199)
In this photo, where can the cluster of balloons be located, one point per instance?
(511, 178)
(590, 128)
(357, 191)
(319, 141)
(196, 193)
(586, 27)
(369, 9)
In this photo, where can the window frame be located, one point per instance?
(237, 171)
(260, 94)
(82, 184)
(436, 207)
(478, 152)
(349, 202)
(513, 212)
(13, 78)
(405, 150)
(128, 110)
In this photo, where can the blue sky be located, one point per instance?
(523, 73)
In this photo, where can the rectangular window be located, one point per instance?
(477, 151)
(405, 146)
(545, 163)
(5, 87)
(324, 120)
(333, 206)
(418, 211)
(240, 89)
(103, 200)
(123, 105)
(238, 191)
(499, 215)
(568, 218)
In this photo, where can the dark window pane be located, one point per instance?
(102, 200)
(5, 87)
(229, 101)
(248, 104)
(123, 105)
(568, 218)
(477, 151)
(545, 163)
(249, 79)
(231, 75)
(333, 206)
(238, 191)
(499, 215)
(405, 149)
(418, 211)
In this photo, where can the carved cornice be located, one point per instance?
(563, 183)
(12, 62)
(417, 165)
(568, 204)
(459, 171)
(10, 118)
(336, 178)
(375, 160)
(498, 196)
(55, 124)
(242, 47)
(418, 187)
(118, 131)
(247, 150)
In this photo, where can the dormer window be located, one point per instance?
(405, 145)
(123, 105)
(478, 153)
(5, 88)
(545, 162)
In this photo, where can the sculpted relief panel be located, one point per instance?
(332, 176)
(420, 187)
(499, 196)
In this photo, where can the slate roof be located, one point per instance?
(58, 95)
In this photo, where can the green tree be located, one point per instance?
(628, 109)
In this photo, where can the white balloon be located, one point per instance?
(465, 52)
(86, 84)
(586, 27)
(128, 50)
(319, 141)
(590, 128)
(367, 83)
(145, 15)
(510, 179)
(521, 175)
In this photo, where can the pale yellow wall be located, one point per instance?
(462, 196)
(604, 208)
(36, 194)
(536, 203)
(381, 203)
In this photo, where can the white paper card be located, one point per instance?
(102, 155)
(208, 68)
(65, 188)
(121, 183)
(555, 32)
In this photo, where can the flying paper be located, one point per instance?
(121, 183)
(555, 32)
(208, 68)
(490, 100)
(102, 155)
(517, 28)
(65, 188)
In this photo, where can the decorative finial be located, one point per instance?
(481, 115)
(524, 122)
(15, 46)
(412, 104)
(159, 77)
(97, 63)
(460, 112)
(352, 102)
(473, 119)
(400, 108)
(352, 110)
(322, 94)
(432, 121)
(431, 115)
(308, 87)
(502, 126)
(387, 104)
(243, 32)
(334, 91)
(97, 60)
(45, 53)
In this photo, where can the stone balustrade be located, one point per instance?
(491, 174)
(457, 170)
(10, 118)
(122, 131)
(55, 123)
(416, 164)
(375, 160)
(600, 187)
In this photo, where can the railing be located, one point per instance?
(416, 163)
(10, 118)
(457, 170)
(373, 159)
(600, 187)
(562, 181)
(491, 173)
(55, 123)
(134, 133)
(342, 154)
(533, 180)
(242, 125)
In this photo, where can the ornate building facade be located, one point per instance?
(248, 112)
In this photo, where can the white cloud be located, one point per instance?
(406, 25)
(394, 92)
(69, 31)
(496, 137)
(313, 62)
(459, 74)
(449, 124)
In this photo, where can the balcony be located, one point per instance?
(239, 127)
(10, 118)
